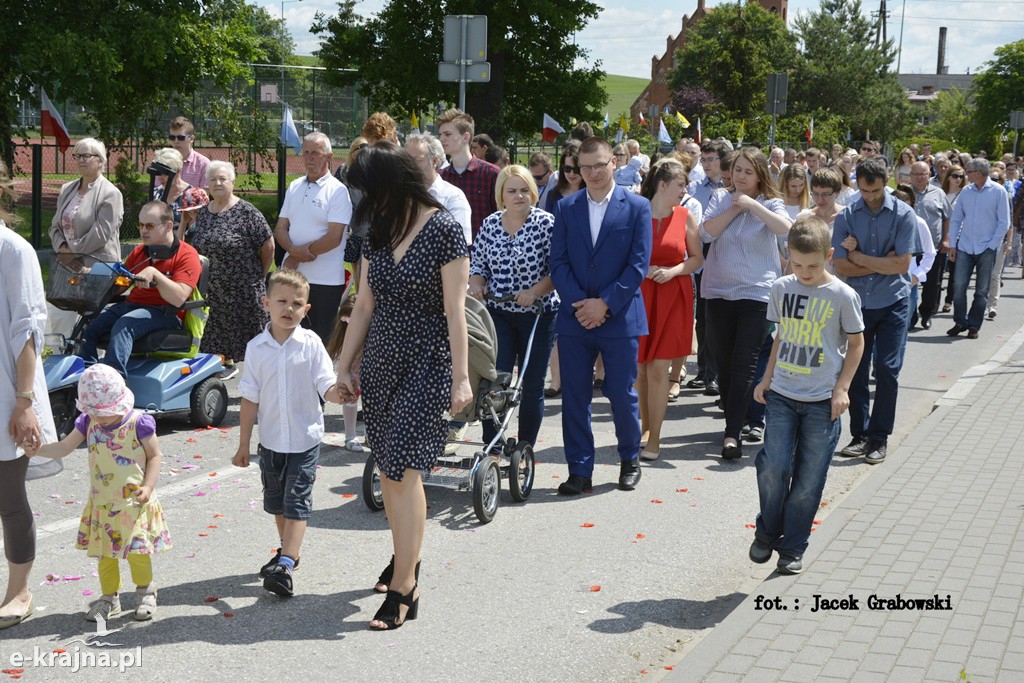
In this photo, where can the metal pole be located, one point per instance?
(37, 196)
(464, 19)
(899, 57)
(771, 133)
(1016, 142)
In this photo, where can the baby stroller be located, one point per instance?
(496, 399)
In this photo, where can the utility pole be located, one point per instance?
(881, 34)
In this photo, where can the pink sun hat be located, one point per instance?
(103, 393)
(193, 199)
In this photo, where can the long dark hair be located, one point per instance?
(662, 171)
(394, 190)
(570, 152)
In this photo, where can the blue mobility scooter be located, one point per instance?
(166, 373)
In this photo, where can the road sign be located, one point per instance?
(479, 72)
(1017, 119)
(778, 87)
(475, 47)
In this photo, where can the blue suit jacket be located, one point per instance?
(611, 270)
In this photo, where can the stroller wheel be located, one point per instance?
(372, 495)
(486, 487)
(521, 472)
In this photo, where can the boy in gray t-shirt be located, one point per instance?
(815, 354)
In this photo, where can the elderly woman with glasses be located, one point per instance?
(174, 195)
(512, 260)
(89, 209)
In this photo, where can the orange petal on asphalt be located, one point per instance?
(229, 614)
(201, 535)
(669, 667)
(211, 599)
(218, 516)
(817, 521)
(655, 500)
(190, 440)
(682, 490)
(698, 478)
(348, 495)
(750, 526)
(640, 536)
(595, 589)
(212, 526)
(197, 456)
(586, 525)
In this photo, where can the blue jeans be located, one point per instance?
(965, 266)
(791, 470)
(885, 331)
(911, 312)
(125, 322)
(755, 411)
(513, 335)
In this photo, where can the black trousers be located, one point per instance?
(325, 301)
(739, 329)
(931, 290)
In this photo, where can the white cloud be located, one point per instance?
(629, 32)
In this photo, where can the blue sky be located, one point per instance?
(629, 32)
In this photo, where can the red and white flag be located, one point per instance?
(551, 129)
(643, 121)
(52, 124)
(698, 130)
(810, 132)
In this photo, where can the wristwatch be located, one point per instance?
(30, 395)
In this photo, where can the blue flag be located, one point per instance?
(663, 135)
(290, 136)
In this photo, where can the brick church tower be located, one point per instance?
(657, 92)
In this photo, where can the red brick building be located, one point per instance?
(657, 91)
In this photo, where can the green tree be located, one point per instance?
(124, 61)
(840, 70)
(533, 60)
(731, 52)
(999, 89)
(952, 115)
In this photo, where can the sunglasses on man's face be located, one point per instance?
(180, 138)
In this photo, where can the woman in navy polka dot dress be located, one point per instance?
(410, 323)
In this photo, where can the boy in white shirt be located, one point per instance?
(286, 371)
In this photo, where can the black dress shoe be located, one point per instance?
(732, 452)
(926, 323)
(913, 320)
(696, 383)
(874, 453)
(575, 485)
(629, 474)
(711, 389)
(972, 334)
(956, 329)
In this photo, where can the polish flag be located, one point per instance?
(643, 121)
(551, 129)
(52, 124)
(810, 132)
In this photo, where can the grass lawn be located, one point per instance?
(622, 92)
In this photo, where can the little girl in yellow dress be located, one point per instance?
(122, 519)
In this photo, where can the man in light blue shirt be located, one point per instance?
(980, 223)
(874, 239)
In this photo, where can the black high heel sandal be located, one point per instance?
(388, 574)
(390, 611)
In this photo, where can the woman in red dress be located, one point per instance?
(668, 294)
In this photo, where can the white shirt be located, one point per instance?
(22, 315)
(309, 207)
(287, 382)
(920, 270)
(454, 201)
(597, 210)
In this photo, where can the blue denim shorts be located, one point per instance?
(288, 481)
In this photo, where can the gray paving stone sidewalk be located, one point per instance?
(945, 518)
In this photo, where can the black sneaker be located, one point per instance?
(269, 566)
(874, 453)
(279, 581)
(856, 448)
(789, 565)
(760, 551)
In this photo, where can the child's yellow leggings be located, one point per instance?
(140, 565)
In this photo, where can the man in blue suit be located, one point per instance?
(600, 250)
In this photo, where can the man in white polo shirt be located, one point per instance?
(428, 154)
(311, 228)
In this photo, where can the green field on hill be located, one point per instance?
(622, 92)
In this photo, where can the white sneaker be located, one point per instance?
(108, 607)
(455, 435)
(353, 446)
(145, 604)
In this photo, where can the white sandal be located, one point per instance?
(146, 605)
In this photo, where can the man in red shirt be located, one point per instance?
(476, 178)
(169, 271)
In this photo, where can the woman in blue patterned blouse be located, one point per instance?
(511, 258)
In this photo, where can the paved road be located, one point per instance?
(611, 586)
